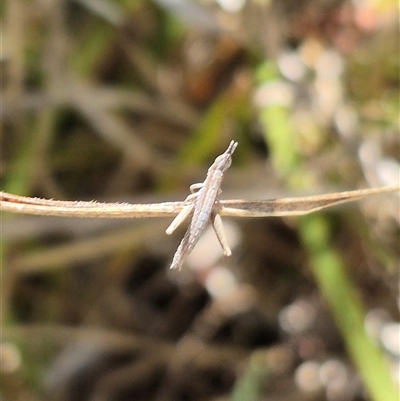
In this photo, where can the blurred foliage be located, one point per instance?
(122, 100)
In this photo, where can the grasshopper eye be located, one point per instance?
(220, 159)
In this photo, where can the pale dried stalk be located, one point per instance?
(203, 205)
(234, 208)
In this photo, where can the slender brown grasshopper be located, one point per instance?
(203, 203)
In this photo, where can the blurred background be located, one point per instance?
(131, 101)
